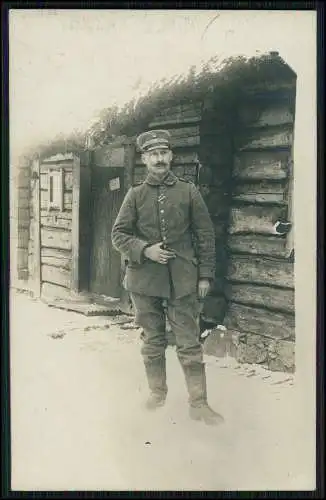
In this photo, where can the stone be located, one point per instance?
(220, 344)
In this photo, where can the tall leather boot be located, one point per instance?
(156, 377)
(199, 409)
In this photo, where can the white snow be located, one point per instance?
(78, 422)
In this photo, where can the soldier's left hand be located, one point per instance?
(203, 288)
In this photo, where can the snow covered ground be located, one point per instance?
(77, 390)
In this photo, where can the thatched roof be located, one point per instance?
(228, 75)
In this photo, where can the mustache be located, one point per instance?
(161, 164)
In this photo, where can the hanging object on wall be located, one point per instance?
(114, 184)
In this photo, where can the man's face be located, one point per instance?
(158, 160)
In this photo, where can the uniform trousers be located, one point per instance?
(182, 314)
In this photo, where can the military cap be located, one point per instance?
(152, 139)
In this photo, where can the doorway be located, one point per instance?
(107, 192)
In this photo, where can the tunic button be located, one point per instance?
(162, 211)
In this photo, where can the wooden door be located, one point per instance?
(105, 262)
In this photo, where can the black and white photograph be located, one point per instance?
(162, 179)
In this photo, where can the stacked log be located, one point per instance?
(260, 276)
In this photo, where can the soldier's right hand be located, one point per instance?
(158, 254)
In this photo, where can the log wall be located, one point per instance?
(260, 274)
(20, 195)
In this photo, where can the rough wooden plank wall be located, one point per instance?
(261, 165)
(260, 321)
(260, 277)
(56, 230)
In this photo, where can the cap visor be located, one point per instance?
(157, 146)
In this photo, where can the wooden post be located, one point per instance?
(129, 163)
(85, 218)
(75, 225)
(289, 246)
(36, 269)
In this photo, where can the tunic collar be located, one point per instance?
(168, 180)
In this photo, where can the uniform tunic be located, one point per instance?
(173, 212)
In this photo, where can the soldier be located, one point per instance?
(165, 232)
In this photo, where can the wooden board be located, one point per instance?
(257, 244)
(105, 261)
(264, 270)
(193, 131)
(264, 198)
(67, 180)
(85, 216)
(55, 221)
(44, 181)
(59, 158)
(265, 114)
(64, 264)
(261, 165)
(260, 321)
(67, 214)
(67, 203)
(56, 238)
(56, 275)
(261, 295)
(46, 167)
(56, 258)
(255, 219)
(175, 120)
(260, 192)
(177, 114)
(270, 138)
